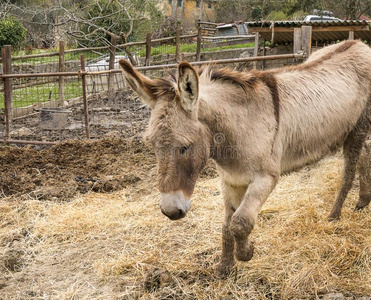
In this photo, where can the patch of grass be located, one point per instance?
(239, 46)
(43, 93)
(185, 48)
(70, 56)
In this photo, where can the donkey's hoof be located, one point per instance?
(333, 218)
(359, 207)
(246, 252)
(223, 269)
(363, 201)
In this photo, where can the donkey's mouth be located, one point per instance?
(174, 205)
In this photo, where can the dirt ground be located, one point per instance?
(60, 172)
(117, 114)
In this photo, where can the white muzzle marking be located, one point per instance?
(174, 205)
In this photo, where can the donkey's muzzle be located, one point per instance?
(174, 205)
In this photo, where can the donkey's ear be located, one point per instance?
(188, 86)
(141, 84)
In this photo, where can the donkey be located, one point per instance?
(255, 125)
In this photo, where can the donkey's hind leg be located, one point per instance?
(351, 149)
(364, 168)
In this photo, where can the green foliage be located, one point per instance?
(234, 10)
(298, 15)
(256, 13)
(292, 6)
(277, 16)
(12, 32)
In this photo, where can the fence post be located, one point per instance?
(306, 37)
(61, 68)
(148, 49)
(84, 96)
(256, 48)
(8, 96)
(297, 40)
(111, 64)
(351, 35)
(264, 53)
(177, 45)
(199, 38)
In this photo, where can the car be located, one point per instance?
(311, 18)
(101, 63)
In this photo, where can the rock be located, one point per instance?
(2, 284)
(245, 54)
(12, 260)
(113, 133)
(333, 296)
(23, 131)
(157, 278)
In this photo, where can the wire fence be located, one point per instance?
(75, 94)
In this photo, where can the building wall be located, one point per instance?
(188, 12)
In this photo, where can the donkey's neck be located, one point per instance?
(218, 118)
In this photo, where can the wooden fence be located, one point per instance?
(83, 77)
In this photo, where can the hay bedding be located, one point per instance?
(119, 246)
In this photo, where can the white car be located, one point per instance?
(311, 18)
(102, 63)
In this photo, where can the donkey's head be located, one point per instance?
(181, 142)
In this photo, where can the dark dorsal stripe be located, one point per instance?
(271, 82)
(239, 79)
(227, 75)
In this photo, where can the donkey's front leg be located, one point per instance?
(243, 220)
(232, 198)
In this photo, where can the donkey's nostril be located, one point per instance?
(181, 214)
(165, 213)
(176, 215)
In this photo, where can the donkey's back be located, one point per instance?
(325, 103)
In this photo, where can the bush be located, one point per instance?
(12, 32)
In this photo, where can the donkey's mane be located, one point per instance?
(227, 75)
(249, 78)
(207, 75)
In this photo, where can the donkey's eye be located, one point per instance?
(183, 150)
